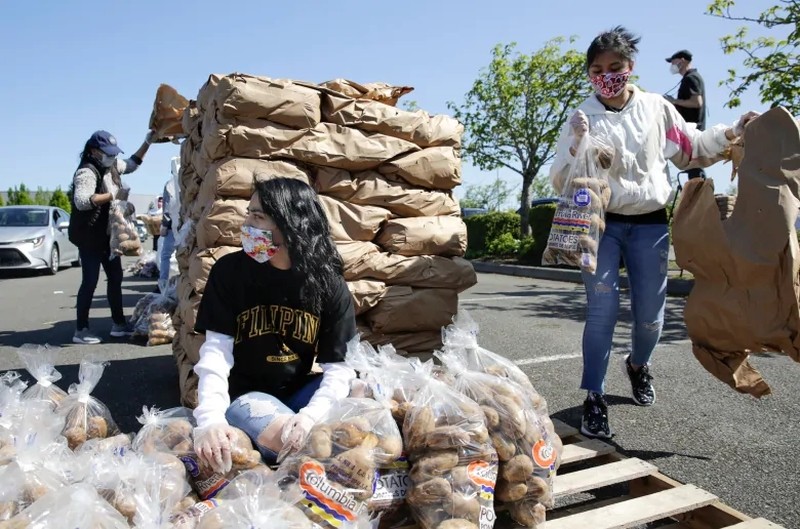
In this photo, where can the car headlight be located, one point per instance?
(36, 241)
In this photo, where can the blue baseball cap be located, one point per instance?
(106, 142)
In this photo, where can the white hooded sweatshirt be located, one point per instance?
(645, 134)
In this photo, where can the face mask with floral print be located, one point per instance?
(610, 85)
(258, 243)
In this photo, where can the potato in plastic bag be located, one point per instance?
(154, 495)
(11, 389)
(168, 431)
(75, 506)
(206, 481)
(254, 500)
(124, 236)
(453, 462)
(41, 464)
(338, 469)
(527, 456)
(85, 417)
(578, 223)
(40, 362)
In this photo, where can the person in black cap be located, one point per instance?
(95, 184)
(691, 100)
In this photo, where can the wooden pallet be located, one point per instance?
(589, 465)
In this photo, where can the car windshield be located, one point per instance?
(23, 217)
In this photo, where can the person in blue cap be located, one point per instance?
(97, 182)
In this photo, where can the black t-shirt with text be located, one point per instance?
(275, 337)
(692, 84)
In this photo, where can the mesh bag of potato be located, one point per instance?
(85, 417)
(578, 223)
(40, 362)
(338, 468)
(453, 463)
(124, 237)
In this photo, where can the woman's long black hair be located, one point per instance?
(297, 211)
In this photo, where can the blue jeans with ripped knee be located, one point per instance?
(645, 250)
(254, 412)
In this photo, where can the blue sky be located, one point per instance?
(73, 67)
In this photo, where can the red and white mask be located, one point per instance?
(610, 85)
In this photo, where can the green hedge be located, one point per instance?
(483, 229)
(540, 218)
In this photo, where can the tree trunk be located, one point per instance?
(525, 205)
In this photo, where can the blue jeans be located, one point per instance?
(91, 261)
(645, 249)
(253, 412)
(167, 247)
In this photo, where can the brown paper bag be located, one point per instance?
(418, 271)
(745, 296)
(221, 223)
(417, 127)
(432, 168)
(383, 92)
(278, 100)
(445, 236)
(406, 309)
(201, 262)
(234, 177)
(336, 146)
(370, 188)
(350, 222)
(355, 253)
(366, 294)
(246, 138)
(207, 93)
(418, 343)
(166, 119)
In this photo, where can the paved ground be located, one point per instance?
(700, 431)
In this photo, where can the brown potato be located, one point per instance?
(320, 442)
(466, 507)
(431, 492)
(76, 436)
(96, 428)
(527, 512)
(446, 437)
(433, 464)
(390, 448)
(518, 469)
(507, 492)
(492, 417)
(456, 523)
(505, 448)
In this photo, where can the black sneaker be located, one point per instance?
(595, 417)
(644, 394)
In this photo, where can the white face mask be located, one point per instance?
(674, 69)
(106, 160)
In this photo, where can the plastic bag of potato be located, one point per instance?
(338, 469)
(38, 462)
(254, 500)
(527, 456)
(70, 507)
(578, 223)
(124, 237)
(453, 463)
(85, 417)
(40, 362)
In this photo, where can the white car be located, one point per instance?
(35, 237)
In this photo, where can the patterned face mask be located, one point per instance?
(610, 85)
(258, 244)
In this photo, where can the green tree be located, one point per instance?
(2, 202)
(410, 105)
(771, 63)
(59, 199)
(19, 196)
(541, 188)
(41, 198)
(490, 196)
(514, 111)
